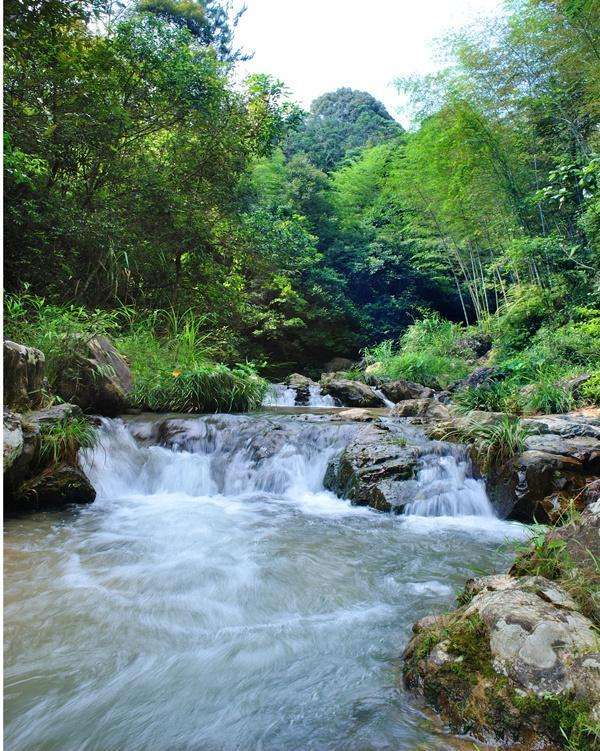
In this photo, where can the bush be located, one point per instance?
(59, 331)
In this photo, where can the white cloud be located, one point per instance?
(315, 46)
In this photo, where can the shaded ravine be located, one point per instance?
(217, 597)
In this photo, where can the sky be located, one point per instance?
(316, 46)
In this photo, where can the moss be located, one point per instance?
(474, 699)
(563, 719)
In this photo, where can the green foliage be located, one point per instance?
(590, 391)
(59, 331)
(431, 351)
(339, 123)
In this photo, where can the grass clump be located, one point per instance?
(495, 443)
(60, 441)
(203, 388)
(59, 331)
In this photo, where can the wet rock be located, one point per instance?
(357, 414)
(401, 390)
(56, 486)
(23, 376)
(372, 469)
(301, 385)
(549, 472)
(351, 393)
(96, 378)
(499, 665)
(427, 410)
(12, 437)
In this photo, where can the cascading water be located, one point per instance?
(319, 399)
(387, 402)
(215, 596)
(280, 395)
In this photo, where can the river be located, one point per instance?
(216, 598)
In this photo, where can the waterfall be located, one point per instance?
(388, 403)
(318, 399)
(242, 456)
(445, 486)
(279, 395)
(223, 455)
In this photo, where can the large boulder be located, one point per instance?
(351, 393)
(397, 391)
(96, 378)
(539, 483)
(23, 376)
(373, 469)
(516, 663)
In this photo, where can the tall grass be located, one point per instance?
(495, 443)
(60, 441)
(432, 351)
(172, 355)
(59, 331)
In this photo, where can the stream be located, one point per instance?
(216, 597)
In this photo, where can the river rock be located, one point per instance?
(372, 469)
(540, 482)
(28, 484)
(496, 667)
(397, 391)
(301, 385)
(23, 376)
(356, 414)
(12, 439)
(338, 364)
(351, 393)
(427, 410)
(56, 486)
(97, 378)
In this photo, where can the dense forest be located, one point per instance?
(149, 194)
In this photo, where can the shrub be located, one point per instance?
(57, 330)
(494, 396)
(432, 351)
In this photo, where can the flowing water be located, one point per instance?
(280, 395)
(216, 598)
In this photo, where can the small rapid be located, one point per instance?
(216, 597)
(281, 395)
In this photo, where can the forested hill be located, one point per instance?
(339, 125)
(142, 181)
